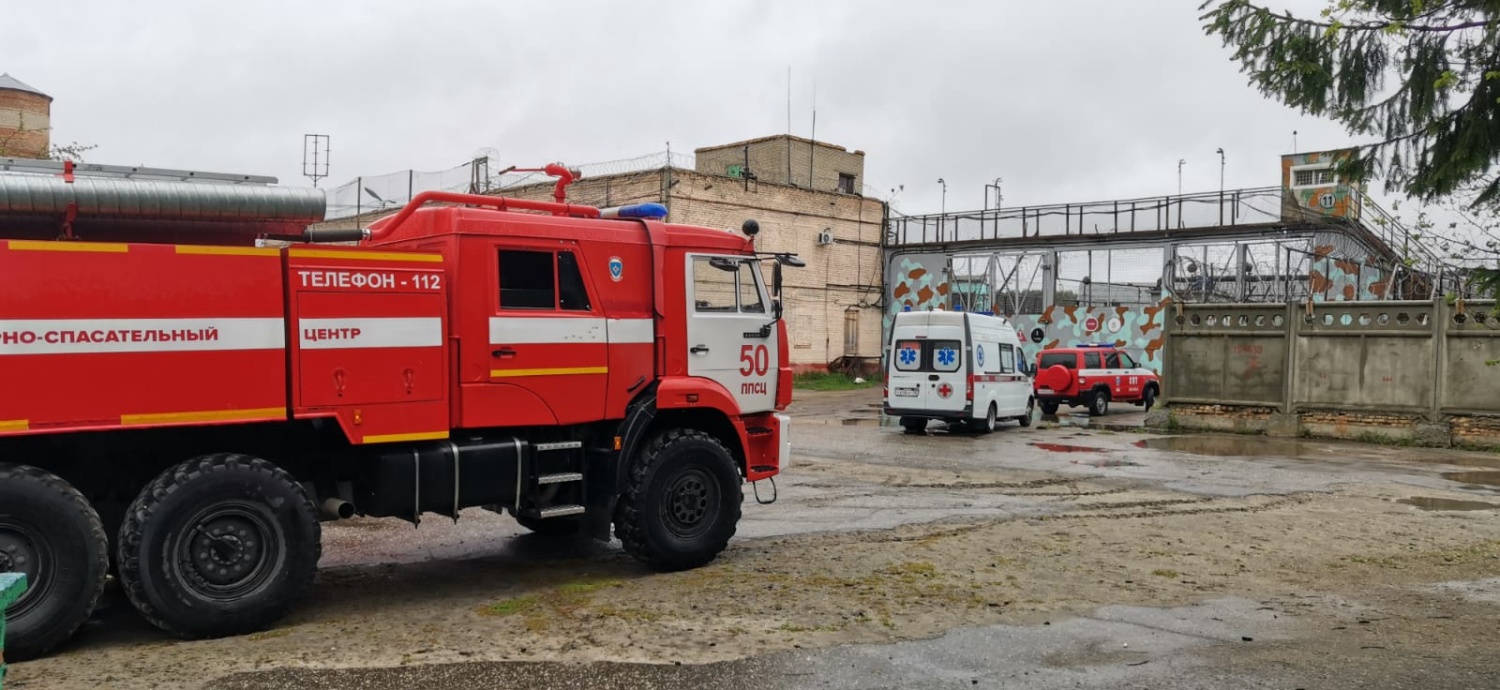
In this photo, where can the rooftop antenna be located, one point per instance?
(812, 147)
(315, 157)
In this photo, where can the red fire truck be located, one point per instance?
(194, 379)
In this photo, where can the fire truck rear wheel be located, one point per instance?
(49, 532)
(219, 545)
(681, 504)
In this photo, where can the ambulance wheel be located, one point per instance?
(985, 425)
(1025, 419)
(1099, 403)
(913, 425)
(1049, 408)
(681, 502)
(219, 545)
(49, 532)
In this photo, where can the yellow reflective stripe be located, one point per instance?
(15, 425)
(563, 371)
(228, 251)
(206, 416)
(395, 438)
(45, 246)
(365, 256)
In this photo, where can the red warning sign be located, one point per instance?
(1091, 324)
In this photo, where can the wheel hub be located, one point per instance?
(225, 553)
(689, 501)
(21, 551)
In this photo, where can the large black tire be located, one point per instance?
(569, 526)
(1099, 403)
(1149, 398)
(681, 503)
(1049, 408)
(1025, 419)
(49, 532)
(219, 545)
(913, 425)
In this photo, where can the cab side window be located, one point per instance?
(714, 284)
(542, 280)
(1127, 362)
(750, 301)
(571, 293)
(1112, 361)
(1091, 361)
(526, 280)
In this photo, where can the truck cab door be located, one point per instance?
(731, 332)
(547, 348)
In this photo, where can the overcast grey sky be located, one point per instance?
(1067, 100)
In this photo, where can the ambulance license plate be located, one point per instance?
(906, 392)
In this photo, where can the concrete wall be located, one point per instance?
(1418, 371)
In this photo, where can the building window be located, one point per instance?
(851, 332)
(846, 183)
(1313, 176)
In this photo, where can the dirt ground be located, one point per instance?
(1036, 525)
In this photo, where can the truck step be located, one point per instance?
(559, 445)
(560, 511)
(560, 478)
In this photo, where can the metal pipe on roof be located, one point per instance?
(35, 195)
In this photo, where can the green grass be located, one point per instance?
(828, 381)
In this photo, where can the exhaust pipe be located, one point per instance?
(336, 509)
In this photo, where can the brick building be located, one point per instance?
(25, 120)
(833, 305)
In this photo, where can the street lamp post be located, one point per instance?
(943, 213)
(1180, 162)
(1221, 185)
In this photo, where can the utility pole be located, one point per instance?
(1221, 186)
(945, 196)
(1180, 162)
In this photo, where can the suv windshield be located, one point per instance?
(1052, 359)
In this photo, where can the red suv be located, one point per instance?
(1092, 376)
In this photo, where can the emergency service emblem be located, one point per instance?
(979, 355)
(616, 268)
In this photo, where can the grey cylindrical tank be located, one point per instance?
(35, 195)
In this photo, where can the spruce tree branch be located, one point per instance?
(1363, 26)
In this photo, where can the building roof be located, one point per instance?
(774, 137)
(14, 84)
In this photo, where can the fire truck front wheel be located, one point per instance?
(681, 504)
(49, 532)
(219, 545)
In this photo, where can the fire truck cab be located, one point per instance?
(186, 404)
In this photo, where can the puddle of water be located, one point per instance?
(1234, 446)
(1485, 480)
(1065, 448)
(1428, 503)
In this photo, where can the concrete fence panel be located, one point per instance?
(1226, 354)
(1364, 355)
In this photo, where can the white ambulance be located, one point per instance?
(960, 367)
